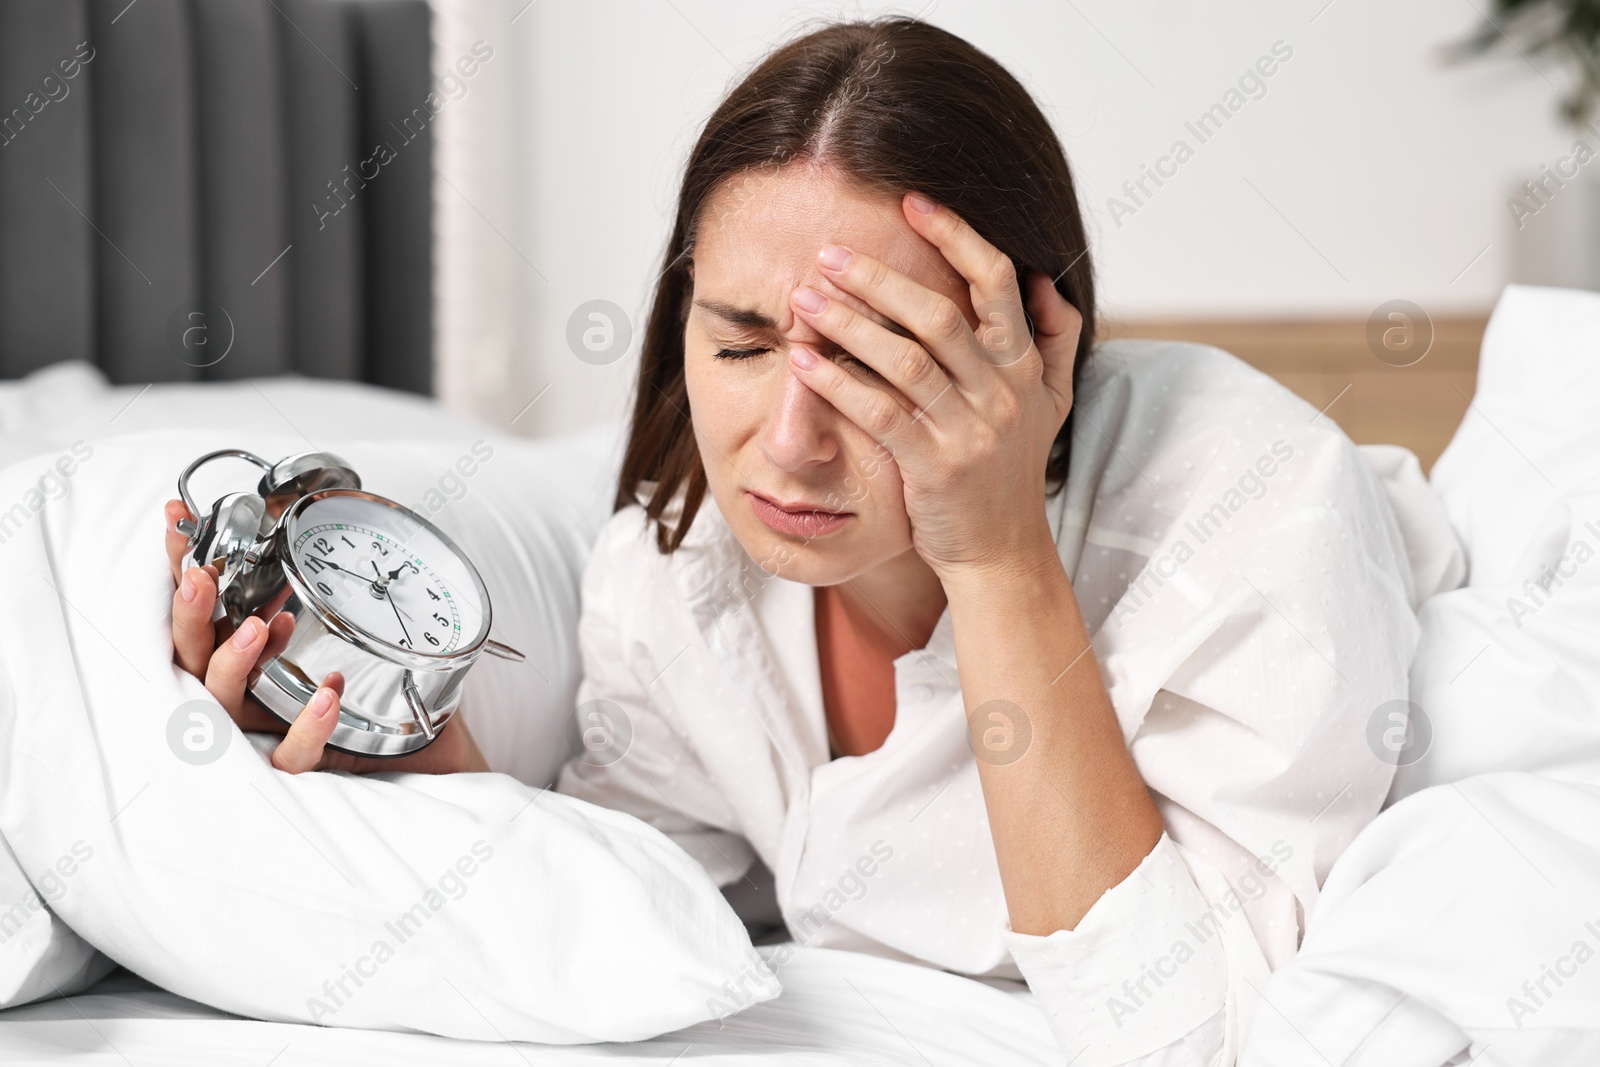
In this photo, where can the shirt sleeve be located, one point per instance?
(633, 758)
(1143, 978)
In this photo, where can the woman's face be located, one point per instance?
(808, 493)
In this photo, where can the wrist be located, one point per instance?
(1032, 567)
(474, 761)
(1028, 557)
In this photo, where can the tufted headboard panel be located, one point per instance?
(197, 190)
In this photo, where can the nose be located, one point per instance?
(799, 431)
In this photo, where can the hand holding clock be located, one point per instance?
(226, 661)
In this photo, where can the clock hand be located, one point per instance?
(401, 621)
(392, 575)
(394, 606)
(342, 570)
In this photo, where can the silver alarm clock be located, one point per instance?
(376, 592)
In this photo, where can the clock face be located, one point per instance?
(385, 572)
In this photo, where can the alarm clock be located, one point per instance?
(377, 593)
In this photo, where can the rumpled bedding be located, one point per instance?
(1463, 925)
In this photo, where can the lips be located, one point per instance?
(797, 520)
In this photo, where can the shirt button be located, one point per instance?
(922, 691)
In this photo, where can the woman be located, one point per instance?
(1080, 700)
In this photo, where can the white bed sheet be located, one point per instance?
(836, 1008)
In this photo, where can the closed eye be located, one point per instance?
(860, 367)
(844, 359)
(857, 367)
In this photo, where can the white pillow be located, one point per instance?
(62, 402)
(1506, 672)
(1506, 675)
(528, 516)
(39, 956)
(471, 906)
(1533, 431)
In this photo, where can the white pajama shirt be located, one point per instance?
(1250, 593)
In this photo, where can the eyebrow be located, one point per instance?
(752, 319)
(747, 317)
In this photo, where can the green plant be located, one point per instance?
(1568, 28)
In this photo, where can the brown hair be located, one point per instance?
(897, 105)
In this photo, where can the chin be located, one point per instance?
(808, 569)
(824, 561)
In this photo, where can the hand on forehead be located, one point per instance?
(759, 237)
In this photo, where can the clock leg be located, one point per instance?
(419, 710)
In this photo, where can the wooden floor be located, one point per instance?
(1330, 364)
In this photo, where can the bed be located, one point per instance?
(1384, 975)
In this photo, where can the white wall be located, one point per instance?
(1368, 171)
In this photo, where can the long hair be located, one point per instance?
(897, 105)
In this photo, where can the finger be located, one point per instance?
(256, 717)
(301, 748)
(883, 416)
(1057, 327)
(989, 272)
(232, 662)
(279, 630)
(932, 318)
(193, 636)
(222, 627)
(177, 543)
(900, 361)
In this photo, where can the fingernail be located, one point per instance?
(186, 587)
(321, 701)
(247, 633)
(834, 258)
(922, 204)
(803, 357)
(809, 299)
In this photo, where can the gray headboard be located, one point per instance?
(180, 174)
